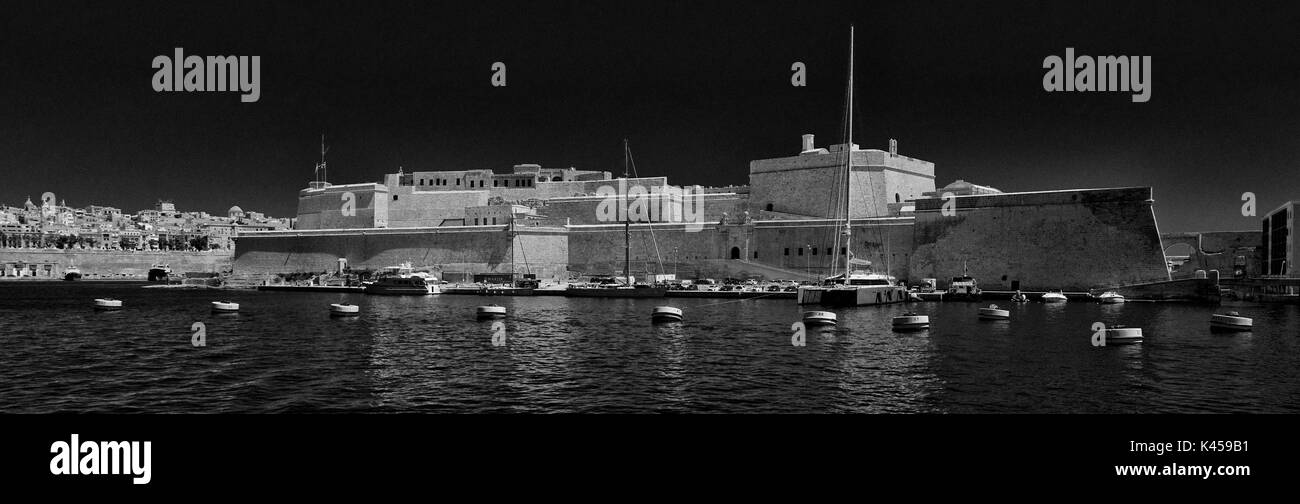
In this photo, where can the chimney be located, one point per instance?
(807, 143)
(893, 147)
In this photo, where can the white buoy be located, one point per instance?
(1232, 321)
(225, 306)
(819, 318)
(108, 304)
(345, 310)
(1119, 335)
(911, 322)
(994, 313)
(491, 311)
(666, 314)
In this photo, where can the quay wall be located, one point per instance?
(112, 263)
(1072, 240)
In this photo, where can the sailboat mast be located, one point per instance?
(848, 165)
(627, 229)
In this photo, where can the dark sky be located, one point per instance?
(699, 88)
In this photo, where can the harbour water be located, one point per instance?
(284, 353)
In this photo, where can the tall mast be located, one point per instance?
(321, 176)
(848, 165)
(627, 230)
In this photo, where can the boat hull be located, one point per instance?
(1231, 323)
(851, 296)
(906, 324)
(666, 314)
(994, 314)
(1123, 335)
(819, 318)
(344, 310)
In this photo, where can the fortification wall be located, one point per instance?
(484, 249)
(323, 208)
(1073, 240)
(430, 208)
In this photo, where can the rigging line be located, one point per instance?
(527, 269)
(651, 226)
(734, 301)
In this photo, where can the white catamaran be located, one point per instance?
(852, 287)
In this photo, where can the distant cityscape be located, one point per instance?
(59, 226)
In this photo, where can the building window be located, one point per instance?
(814, 251)
(769, 207)
(800, 251)
(787, 251)
(421, 181)
(755, 254)
(457, 181)
(828, 251)
(897, 198)
(394, 197)
(494, 220)
(844, 250)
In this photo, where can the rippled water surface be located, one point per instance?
(284, 353)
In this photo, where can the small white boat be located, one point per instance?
(911, 322)
(491, 311)
(817, 317)
(1110, 297)
(1231, 321)
(1119, 335)
(344, 310)
(994, 313)
(108, 304)
(225, 306)
(666, 314)
(1054, 296)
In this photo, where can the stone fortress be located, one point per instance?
(782, 225)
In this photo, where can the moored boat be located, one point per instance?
(1054, 296)
(817, 317)
(666, 314)
(861, 289)
(225, 306)
(399, 286)
(911, 322)
(994, 313)
(1231, 322)
(108, 304)
(490, 311)
(1118, 335)
(963, 288)
(1110, 297)
(344, 310)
